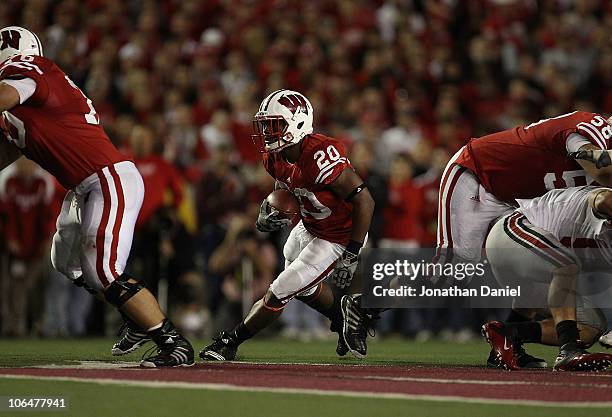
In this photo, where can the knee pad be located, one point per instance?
(121, 290)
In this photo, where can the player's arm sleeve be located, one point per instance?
(575, 141)
(328, 162)
(595, 130)
(25, 88)
(16, 73)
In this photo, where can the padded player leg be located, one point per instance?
(325, 302)
(121, 290)
(262, 314)
(270, 302)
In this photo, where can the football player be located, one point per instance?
(525, 248)
(483, 180)
(335, 209)
(49, 120)
(485, 177)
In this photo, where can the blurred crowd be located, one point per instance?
(404, 83)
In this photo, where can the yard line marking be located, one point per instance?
(339, 393)
(475, 381)
(91, 365)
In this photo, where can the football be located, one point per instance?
(285, 202)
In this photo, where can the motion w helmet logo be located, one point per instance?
(10, 39)
(294, 102)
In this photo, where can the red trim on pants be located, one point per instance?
(447, 208)
(313, 283)
(101, 234)
(525, 234)
(118, 220)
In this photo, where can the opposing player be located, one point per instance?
(482, 181)
(49, 120)
(525, 248)
(485, 177)
(336, 210)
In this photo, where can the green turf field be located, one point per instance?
(91, 399)
(386, 352)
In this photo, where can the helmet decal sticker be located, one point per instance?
(9, 39)
(294, 102)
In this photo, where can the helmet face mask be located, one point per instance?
(283, 119)
(15, 40)
(269, 132)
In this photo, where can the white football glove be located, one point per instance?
(269, 222)
(344, 270)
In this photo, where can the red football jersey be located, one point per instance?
(57, 127)
(27, 212)
(323, 213)
(527, 161)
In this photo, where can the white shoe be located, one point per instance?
(606, 340)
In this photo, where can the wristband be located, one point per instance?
(354, 246)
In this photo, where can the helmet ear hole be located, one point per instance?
(299, 126)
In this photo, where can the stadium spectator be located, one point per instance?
(29, 205)
(385, 76)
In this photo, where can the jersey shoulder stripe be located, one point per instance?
(593, 133)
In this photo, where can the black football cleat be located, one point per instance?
(356, 324)
(504, 348)
(178, 353)
(341, 348)
(173, 350)
(524, 359)
(223, 348)
(132, 338)
(574, 357)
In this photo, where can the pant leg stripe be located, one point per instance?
(449, 197)
(118, 221)
(533, 241)
(112, 218)
(444, 199)
(537, 246)
(316, 281)
(101, 233)
(555, 250)
(441, 208)
(526, 244)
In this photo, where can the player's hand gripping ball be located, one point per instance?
(278, 210)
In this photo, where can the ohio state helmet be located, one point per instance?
(15, 40)
(283, 119)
